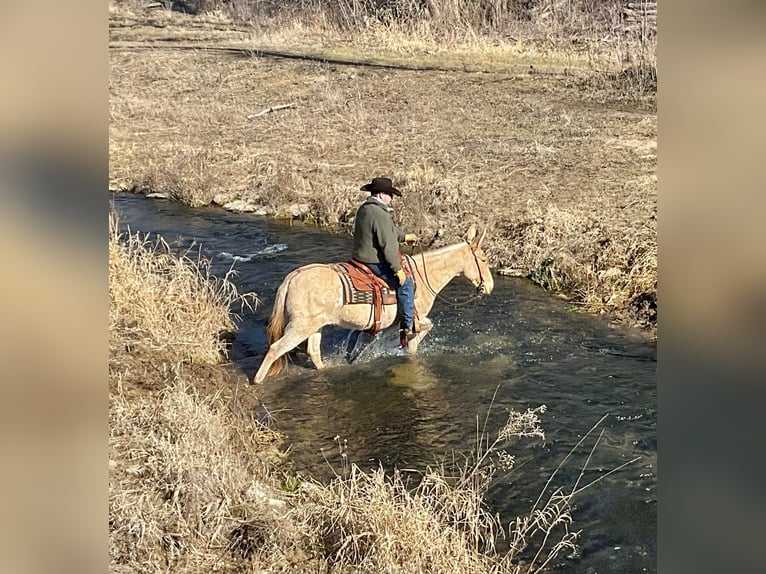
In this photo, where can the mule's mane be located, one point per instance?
(438, 266)
(448, 248)
(441, 250)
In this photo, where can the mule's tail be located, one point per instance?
(277, 325)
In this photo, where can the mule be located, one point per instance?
(311, 297)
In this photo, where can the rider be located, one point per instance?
(376, 244)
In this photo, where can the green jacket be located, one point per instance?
(376, 238)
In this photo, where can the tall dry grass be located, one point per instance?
(621, 53)
(569, 252)
(373, 522)
(444, 16)
(384, 522)
(167, 304)
(186, 472)
(187, 467)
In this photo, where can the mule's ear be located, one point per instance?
(471, 235)
(483, 235)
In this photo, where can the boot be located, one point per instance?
(406, 335)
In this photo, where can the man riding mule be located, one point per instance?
(316, 295)
(376, 245)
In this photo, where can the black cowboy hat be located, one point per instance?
(381, 185)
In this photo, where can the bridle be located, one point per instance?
(479, 287)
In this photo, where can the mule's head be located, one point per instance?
(476, 268)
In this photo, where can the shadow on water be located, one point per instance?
(519, 344)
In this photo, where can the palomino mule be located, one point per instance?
(312, 296)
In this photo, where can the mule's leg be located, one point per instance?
(425, 326)
(291, 339)
(313, 349)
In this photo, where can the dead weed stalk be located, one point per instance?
(381, 522)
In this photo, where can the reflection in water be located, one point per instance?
(414, 374)
(410, 412)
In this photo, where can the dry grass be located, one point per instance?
(449, 35)
(186, 473)
(166, 304)
(375, 523)
(378, 522)
(188, 469)
(574, 253)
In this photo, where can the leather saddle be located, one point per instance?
(361, 286)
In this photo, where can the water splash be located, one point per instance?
(362, 348)
(270, 250)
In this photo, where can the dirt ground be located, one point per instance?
(558, 166)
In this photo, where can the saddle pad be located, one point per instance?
(359, 286)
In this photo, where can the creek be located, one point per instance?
(518, 348)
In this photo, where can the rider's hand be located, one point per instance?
(401, 276)
(410, 238)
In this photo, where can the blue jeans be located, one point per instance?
(405, 294)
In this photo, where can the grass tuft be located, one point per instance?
(191, 476)
(574, 253)
(164, 303)
(188, 476)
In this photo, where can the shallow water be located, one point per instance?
(519, 345)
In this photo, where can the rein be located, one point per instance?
(441, 297)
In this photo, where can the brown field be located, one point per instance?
(541, 139)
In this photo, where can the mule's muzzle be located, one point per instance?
(485, 287)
